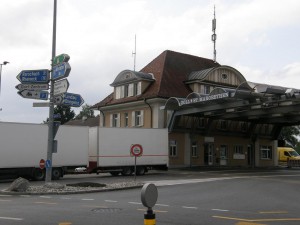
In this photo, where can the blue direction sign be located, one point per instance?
(73, 100)
(61, 71)
(42, 95)
(34, 76)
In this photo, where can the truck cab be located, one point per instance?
(286, 153)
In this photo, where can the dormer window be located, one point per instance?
(128, 90)
(131, 83)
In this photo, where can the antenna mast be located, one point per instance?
(134, 53)
(214, 36)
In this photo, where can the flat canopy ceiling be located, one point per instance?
(250, 102)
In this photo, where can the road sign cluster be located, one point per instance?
(34, 83)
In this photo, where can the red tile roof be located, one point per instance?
(170, 70)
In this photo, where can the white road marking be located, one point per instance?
(189, 207)
(43, 196)
(135, 203)
(5, 195)
(10, 218)
(66, 198)
(161, 205)
(220, 210)
(110, 201)
(87, 199)
(189, 181)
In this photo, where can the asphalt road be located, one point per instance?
(184, 198)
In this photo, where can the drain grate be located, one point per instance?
(106, 210)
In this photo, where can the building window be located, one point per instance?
(118, 92)
(202, 122)
(130, 90)
(238, 149)
(138, 118)
(223, 125)
(194, 149)
(137, 88)
(266, 152)
(244, 126)
(206, 89)
(224, 76)
(125, 119)
(115, 120)
(126, 87)
(173, 148)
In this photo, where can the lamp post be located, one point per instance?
(4, 63)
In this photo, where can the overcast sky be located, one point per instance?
(260, 38)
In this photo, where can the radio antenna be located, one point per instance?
(134, 53)
(214, 36)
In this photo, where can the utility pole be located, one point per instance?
(51, 103)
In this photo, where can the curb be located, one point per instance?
(3, 192)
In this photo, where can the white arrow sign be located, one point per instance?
(61, 86)
(33, 87)
(42, 95)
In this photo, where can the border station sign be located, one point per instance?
(34, 76)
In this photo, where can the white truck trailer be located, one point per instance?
(23, 145)
(122, 150)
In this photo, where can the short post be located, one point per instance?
(149, 217)
(149, 196)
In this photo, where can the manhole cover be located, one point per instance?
(106, 210)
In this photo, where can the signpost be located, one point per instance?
(34, 76)
(61, 86)
(33, 87)
(33, 82)
(61, 71)
(136, 150)
(42, 95)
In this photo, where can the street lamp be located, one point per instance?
(4, 63)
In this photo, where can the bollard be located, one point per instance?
(149, 217)
(149, 197)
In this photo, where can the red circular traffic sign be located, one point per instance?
(136, 150)
(42, 164)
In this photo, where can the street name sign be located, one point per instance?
(42, 95)
(61, 70)
(60, 86)
(33, 87)
(60, 59)
(69, 99)
(34, 76)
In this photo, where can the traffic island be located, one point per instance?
(22, 186)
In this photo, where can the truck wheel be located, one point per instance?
(141, 170)
(39, 174)
(56, 173)
(114, 173)
(126, 171)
